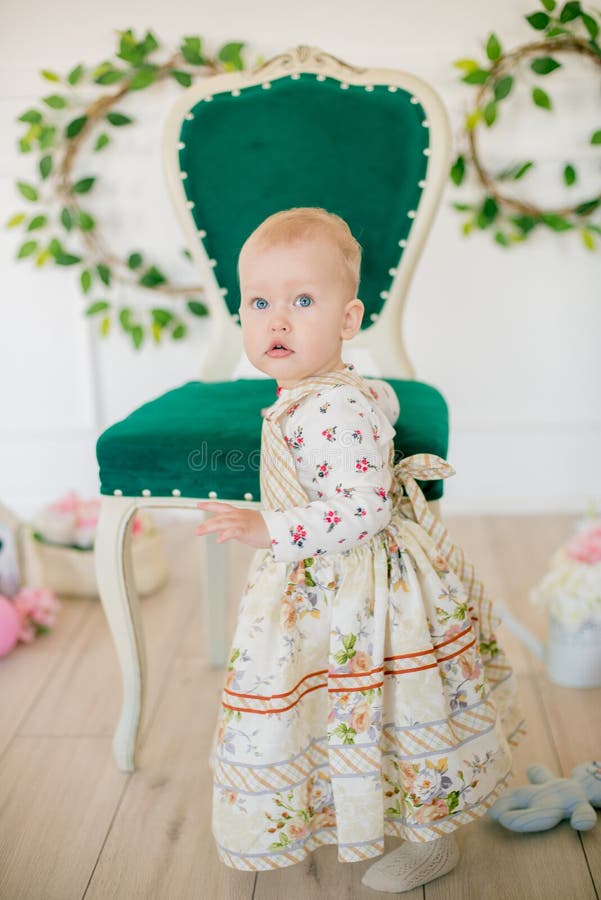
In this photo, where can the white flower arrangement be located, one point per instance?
(571, 590)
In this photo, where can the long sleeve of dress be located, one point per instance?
(340, 442)
(386, 398)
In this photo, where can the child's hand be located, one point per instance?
(234, 522)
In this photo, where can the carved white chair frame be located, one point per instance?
(112, 552)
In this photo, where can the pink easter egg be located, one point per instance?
(10, 625)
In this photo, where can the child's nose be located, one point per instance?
(279, 322)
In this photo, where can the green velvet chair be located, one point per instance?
(304, 129)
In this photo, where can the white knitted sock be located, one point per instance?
(411, 865)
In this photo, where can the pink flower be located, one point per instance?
(297, 830)
(586, 545)
(360, 718)
(288, 616)
(438, 809)
(38, 604)
(361, 662)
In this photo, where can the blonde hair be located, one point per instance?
(302, 222)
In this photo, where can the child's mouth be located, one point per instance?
(279, 351)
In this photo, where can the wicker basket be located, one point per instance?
(70, 571)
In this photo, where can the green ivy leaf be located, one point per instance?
(503, 87)
(488, 213)
(33, 116)
(105, 326)
(118, 119)
(55, 101)
(522, 170)
(129, 49)
(569, 175)
(466, 65)
(493, 47)
(538, 20)
(43, 258)
(570, 11)
(462, 207)
(75, 126)
(161, 317)
(37, 222)
(16, 220)
(125, 318)
(85, 279)
(27, 249)
(84, 185)
(97, 307)
(104, 273)
(191, 51)
(588, 207)
(144, 77)
(49, 76)
(196, 308)
(75, 75)
(458, 170)
(101, 141)
(543, 65)
(229, 54)
(66, 218)
(45, 166)
(501, 238)
(596, 137)
(85, 221)
(587, 238)
(179, 332)
(541, 98)
(490, 113)
(135, 261)
(549, 5)
(478, 76)
(555, 222)
(183, 78)
(24, 146)
(137, 336)
(107, 73)
(557, 31)
(55, 247)
(67, 259)
(152, 277)
(472, 119)
(28, 191)
(149, 43)
(47, 136)
(591, 26)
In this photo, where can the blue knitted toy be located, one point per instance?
(547, 800)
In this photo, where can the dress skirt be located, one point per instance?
(364, 696)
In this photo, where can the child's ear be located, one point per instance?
(353, 316)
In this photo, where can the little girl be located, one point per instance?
(366, 693)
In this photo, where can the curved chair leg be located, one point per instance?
(119, 598)
(215, 586)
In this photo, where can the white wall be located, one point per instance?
(512, 338)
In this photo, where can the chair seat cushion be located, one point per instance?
(206, 436)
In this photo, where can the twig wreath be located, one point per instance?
(58, 214)
(567, 30)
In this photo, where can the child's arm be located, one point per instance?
(341, 444)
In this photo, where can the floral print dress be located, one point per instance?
(358, 699)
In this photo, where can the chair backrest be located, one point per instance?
(306, 129)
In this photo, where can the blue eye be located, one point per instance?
(305, 297)
(259, 300)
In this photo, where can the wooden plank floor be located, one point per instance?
(73, 826)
